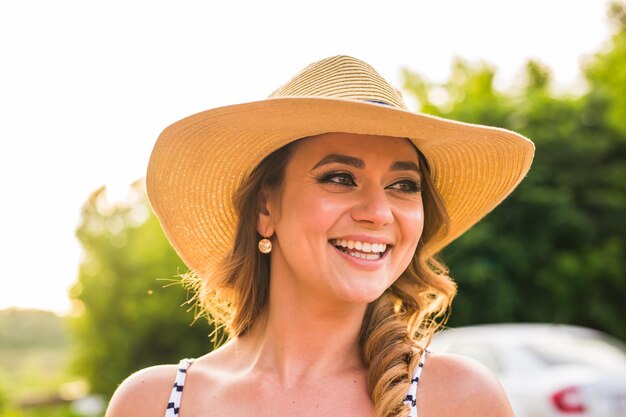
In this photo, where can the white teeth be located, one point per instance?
(368, 256)
(367, 247)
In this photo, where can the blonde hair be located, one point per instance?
(396, 327)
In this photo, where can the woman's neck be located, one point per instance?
(302, 337)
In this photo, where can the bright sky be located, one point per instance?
(86, 87)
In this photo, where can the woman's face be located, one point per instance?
(348, 217)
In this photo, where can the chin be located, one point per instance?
(363, 296)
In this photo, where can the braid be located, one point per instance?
(397, 328)
(385, 353)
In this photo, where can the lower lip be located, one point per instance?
(368, 264)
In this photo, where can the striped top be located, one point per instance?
(411, 396)
(173, 405)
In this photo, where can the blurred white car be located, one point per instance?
(547, 370)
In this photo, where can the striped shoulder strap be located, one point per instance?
(173, 404)
(411, 395)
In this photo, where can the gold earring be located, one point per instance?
(265, 245)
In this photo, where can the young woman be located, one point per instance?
(310, 222)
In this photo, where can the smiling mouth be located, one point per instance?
(361, 250)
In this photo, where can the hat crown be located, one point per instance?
(343, 77)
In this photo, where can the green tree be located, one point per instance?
(554, 251)
(130, 310)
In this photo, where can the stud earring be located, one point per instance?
(265, 245)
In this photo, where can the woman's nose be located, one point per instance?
(373, 207)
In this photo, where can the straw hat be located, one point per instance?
(198, 162)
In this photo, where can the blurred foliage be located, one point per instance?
(34, 348)
(34, 372)
(129, 309)
(31, 328)
(5, 399)
(554, 251)
(58, 410)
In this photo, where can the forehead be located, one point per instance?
(366, 147)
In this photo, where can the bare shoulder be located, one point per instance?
(143, 394)
(453, 385)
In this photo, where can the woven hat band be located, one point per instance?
(341, 77)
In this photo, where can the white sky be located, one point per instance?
(86, 87)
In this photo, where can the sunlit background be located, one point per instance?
(86, 87)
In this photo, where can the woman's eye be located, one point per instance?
(406, 186)
(339, 178)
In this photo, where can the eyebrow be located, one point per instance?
(341, 159)
(360, 164)
(404, 166)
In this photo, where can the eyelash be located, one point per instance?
(327, 178)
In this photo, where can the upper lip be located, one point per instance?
(364, 238)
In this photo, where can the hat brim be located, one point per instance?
(199, 162)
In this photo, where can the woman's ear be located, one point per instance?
(265, 221)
